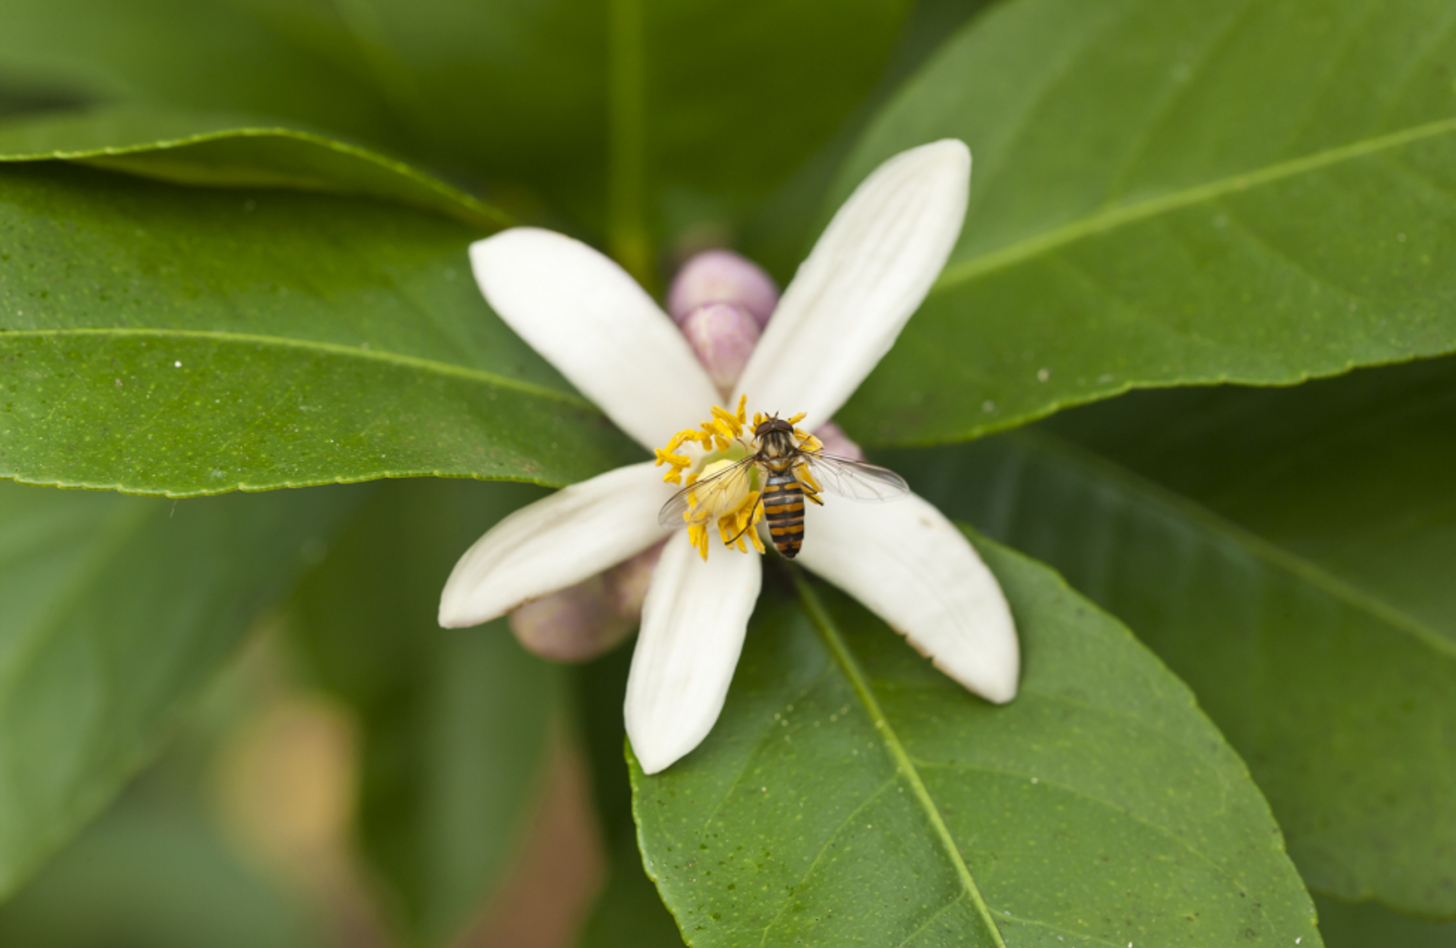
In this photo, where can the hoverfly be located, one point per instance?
(789, 475)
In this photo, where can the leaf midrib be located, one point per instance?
(1114, 217)
(903, 764)
(319, 346)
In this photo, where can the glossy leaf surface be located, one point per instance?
(852, 792)
(1175, 192)
(1338, 700)
(114, 613)
(220, 150)
(453, 721)
(183, 341)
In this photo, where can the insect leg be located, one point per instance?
(751, 522)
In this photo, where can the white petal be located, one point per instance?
(868, 273)
(589, 319)
(693, 624)
(911, 566)
(556, 542)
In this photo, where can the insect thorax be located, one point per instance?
(777, 445)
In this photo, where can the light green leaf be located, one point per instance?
(114, 613)
(230, 151)
(851, 792)
(1339, 701)
(1170, 193)
(454, 721)
(182, 341)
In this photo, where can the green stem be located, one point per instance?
(627, 155)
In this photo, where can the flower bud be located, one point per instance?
(626, 583)
(837, 442)
(723, 336)
(573, 625)
(722, 276)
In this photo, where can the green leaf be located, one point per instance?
(628, 910)
(230, 151)
(171, 340)
(851, 792)
(115, 612)
(1370, 926)
(454, 721)
(1169, 193)
(287, 60)
(781, 231)
(1339, 702)
(155, 876)
(1350, 473)
(685, 110)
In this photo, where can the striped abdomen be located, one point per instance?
(783, 508)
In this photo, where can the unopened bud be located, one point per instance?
(573, 625)
(836, 442)
(722, 276)
(723, 336)
(626, 583)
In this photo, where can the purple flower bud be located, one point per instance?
(573, 625)
(722, 276)
(627, 583)
(837, 442)
(723, 337)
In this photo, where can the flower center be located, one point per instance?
(719, 489)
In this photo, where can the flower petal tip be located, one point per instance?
(457, 610)
(654, 760)
(997, 685)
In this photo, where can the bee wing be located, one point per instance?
(694, 504)
(854, 479)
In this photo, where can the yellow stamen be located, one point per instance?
(795, 419)
(731, 504)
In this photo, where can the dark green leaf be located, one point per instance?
(259, 57)
(782, 230)
(115, 611)
(454, 721)
(696, 107)
(1351, 474)
(230, 151)
(628, 910)
(851, 792)
(1370, 926)
(1175, 192)
(1339, 702)
(152, 877)
(164, 339)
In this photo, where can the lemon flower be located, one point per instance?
(841, 313)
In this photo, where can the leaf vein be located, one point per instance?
(903, 763)
(967, 270)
